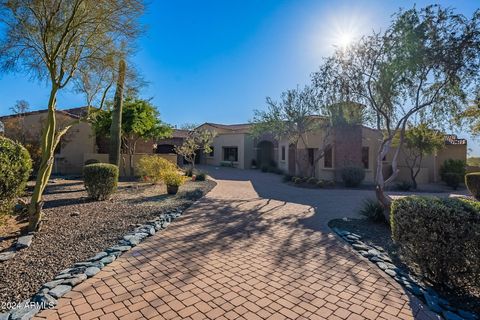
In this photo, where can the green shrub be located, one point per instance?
(452, 172)
(264, 168)
(15, 168)
(439, 238)
(201, 176)
(297, 180)
(312, 180)
(472, 180)
(403, 186)
(353, 176)
(320, 184)
(228, 164)
(287, 178)
(100, 180)
(372, 210)
(329, 183)
(91, 161)
(452, 179)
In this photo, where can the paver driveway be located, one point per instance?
(252, 248)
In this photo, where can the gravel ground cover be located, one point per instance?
(379, 235)
(76, 228)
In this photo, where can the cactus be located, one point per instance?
(116, 127)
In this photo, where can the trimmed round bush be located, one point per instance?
(100, 180)
(353, 176)
(91, 161)
(312, 180)
(472, 180)
(15, 168)
(439, 238)
(153, 167)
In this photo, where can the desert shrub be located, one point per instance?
(152, 167)
(91, 161)
(287, 178)
(100, 180)
(440, 238)
(452, 172)
(173, 178)
(472, 180)
(264, 168)
(403, 186)
(228, 164)
(320, 184)
(329, 183)
(372, 210)
(452, 166)
(297, 180)
(15, 168)
(452, 179)
(312, 180)
(201, 176)
(352, 176)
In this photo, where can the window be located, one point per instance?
(365, 158)
(311, 156)
(328, 158)
(283, 153)
(230, 154)
(212, 152)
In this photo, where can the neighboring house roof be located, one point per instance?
(452, 139)
(180, 133)
(234, 128)
(73, 112)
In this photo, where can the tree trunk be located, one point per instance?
(116, 127)
(384, 200)
(46, 164)
(413, 176)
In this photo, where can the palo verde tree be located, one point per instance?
(51, 40)
(426, 61)
(140, 121)
(196, 140)
(300, 112)
(419, 141)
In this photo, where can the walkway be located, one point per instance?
(253, 248)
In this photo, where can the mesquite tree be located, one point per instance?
(116, 126)
(51, 40)
(426, 61)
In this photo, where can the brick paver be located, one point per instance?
(240, 254)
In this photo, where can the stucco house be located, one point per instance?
(234, 145)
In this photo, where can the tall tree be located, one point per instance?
(116, 126)
(140, 121)
(426, 61)
(52, 39)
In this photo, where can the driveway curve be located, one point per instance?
(253, 248)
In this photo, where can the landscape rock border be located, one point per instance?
(426, 294)
(48, 294)
(22, 242)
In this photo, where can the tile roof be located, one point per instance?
(452, 139)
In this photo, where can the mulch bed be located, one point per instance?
(379, 234)
(75, 228)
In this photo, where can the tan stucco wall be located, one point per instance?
(227, 140)
(77, 141)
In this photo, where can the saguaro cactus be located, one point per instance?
(116, 127)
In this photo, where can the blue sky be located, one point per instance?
(217, 60)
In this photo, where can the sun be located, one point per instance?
(344, 38)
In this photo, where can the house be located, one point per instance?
(319, 153)
(69, 155)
